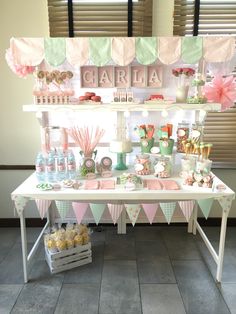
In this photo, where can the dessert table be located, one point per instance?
(28, 191)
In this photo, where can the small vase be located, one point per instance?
(166, 146)
(146, 144)
(182, 94)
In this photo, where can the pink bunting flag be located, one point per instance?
(42, 206)
(187, 208)
(79, 210)
(150, 211)
(115, 211)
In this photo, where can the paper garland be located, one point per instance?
(133, 211)
(97, 210)
(42, 206)
(187, 208)
(115, 211)
(20, 203)
(150, 211)
(226, 202)
(168, 210)
(79, 210)
(63, 208)
(205, 206)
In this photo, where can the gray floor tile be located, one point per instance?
(32, 234)
(8, 236)
(150, 233)
(120, 288)
(41, 273)
(229, 294)
(78, 299)
(158, 270)
(111, 234)
(90, 273)
(198, 289)
(120, 249)
(98, 234)
(8, 296)
(161, 299)
(149, 250)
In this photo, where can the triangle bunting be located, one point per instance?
(150, 211)
(97, 210)
(168, 210)
(79, 210)
(63, 208)
(187, 208)
(133, 211)
(115, 211)
(205, 206)
(226, 202)
(42, 206)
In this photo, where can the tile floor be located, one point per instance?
(150, 270)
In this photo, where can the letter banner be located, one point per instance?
(150, 211)
(168, 210)
(226, 202)
(97, 210)
(42, 206)
(115, 211)
(63, 207)
(20, 203)
(205, 206)
(187, 208)
(79, 210)
(133, 211)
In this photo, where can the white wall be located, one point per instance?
(20, 131)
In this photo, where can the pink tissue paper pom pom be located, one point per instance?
(19, 70)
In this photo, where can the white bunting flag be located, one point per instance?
(187, 208)
(115, 211)
(42, 206)
(133, 211)
(20, 203)
(79, 210)
(63, 207)
(168, 210)
(97, 210)
(150, 211)
(226, 202)
(205, 206)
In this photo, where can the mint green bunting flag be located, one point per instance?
(191, 49)
(63, 207)
(168, 210)
(146, 50)
(133, 211)
(100, 50)
(205, 206)
(97, 210)
(55, 50)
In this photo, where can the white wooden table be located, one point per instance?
(27, 190)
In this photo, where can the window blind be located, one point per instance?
(215, 18)
(100, 18)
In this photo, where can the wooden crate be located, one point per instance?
(68, 259)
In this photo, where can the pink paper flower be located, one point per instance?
(221, 90)
(20, 70)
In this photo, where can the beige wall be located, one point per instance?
(20, 131)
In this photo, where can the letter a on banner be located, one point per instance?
(133, 211)
(97, 210)
(115, 211)
(205, 206)
(63, 208)
(79, 210)
(42, 206)
(187, 208)
(150, 211)
(168, 210)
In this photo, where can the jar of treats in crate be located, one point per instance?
(163, 167)
(143, 164)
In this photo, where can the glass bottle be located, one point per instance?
(182, 134)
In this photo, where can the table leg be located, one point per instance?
(221, 245)
(195, 214)
(24, 246)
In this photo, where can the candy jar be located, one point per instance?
(197, 132)
(182, 134)
(163, 167)
(143, 164)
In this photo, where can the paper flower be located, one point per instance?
(186, 71)
(19, 70)
(222, 90)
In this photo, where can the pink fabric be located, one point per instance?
(42, 206)
(115, 211)
(218, 49)
(187, 208)
(77, 51)
(107, 184)
(150, 211)
(169, 49)
(152, 184)
(169, 185)
(79, 210)
(27, 51)
(91, 185)
(123, 50)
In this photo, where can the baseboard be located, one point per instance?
(37, 222)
